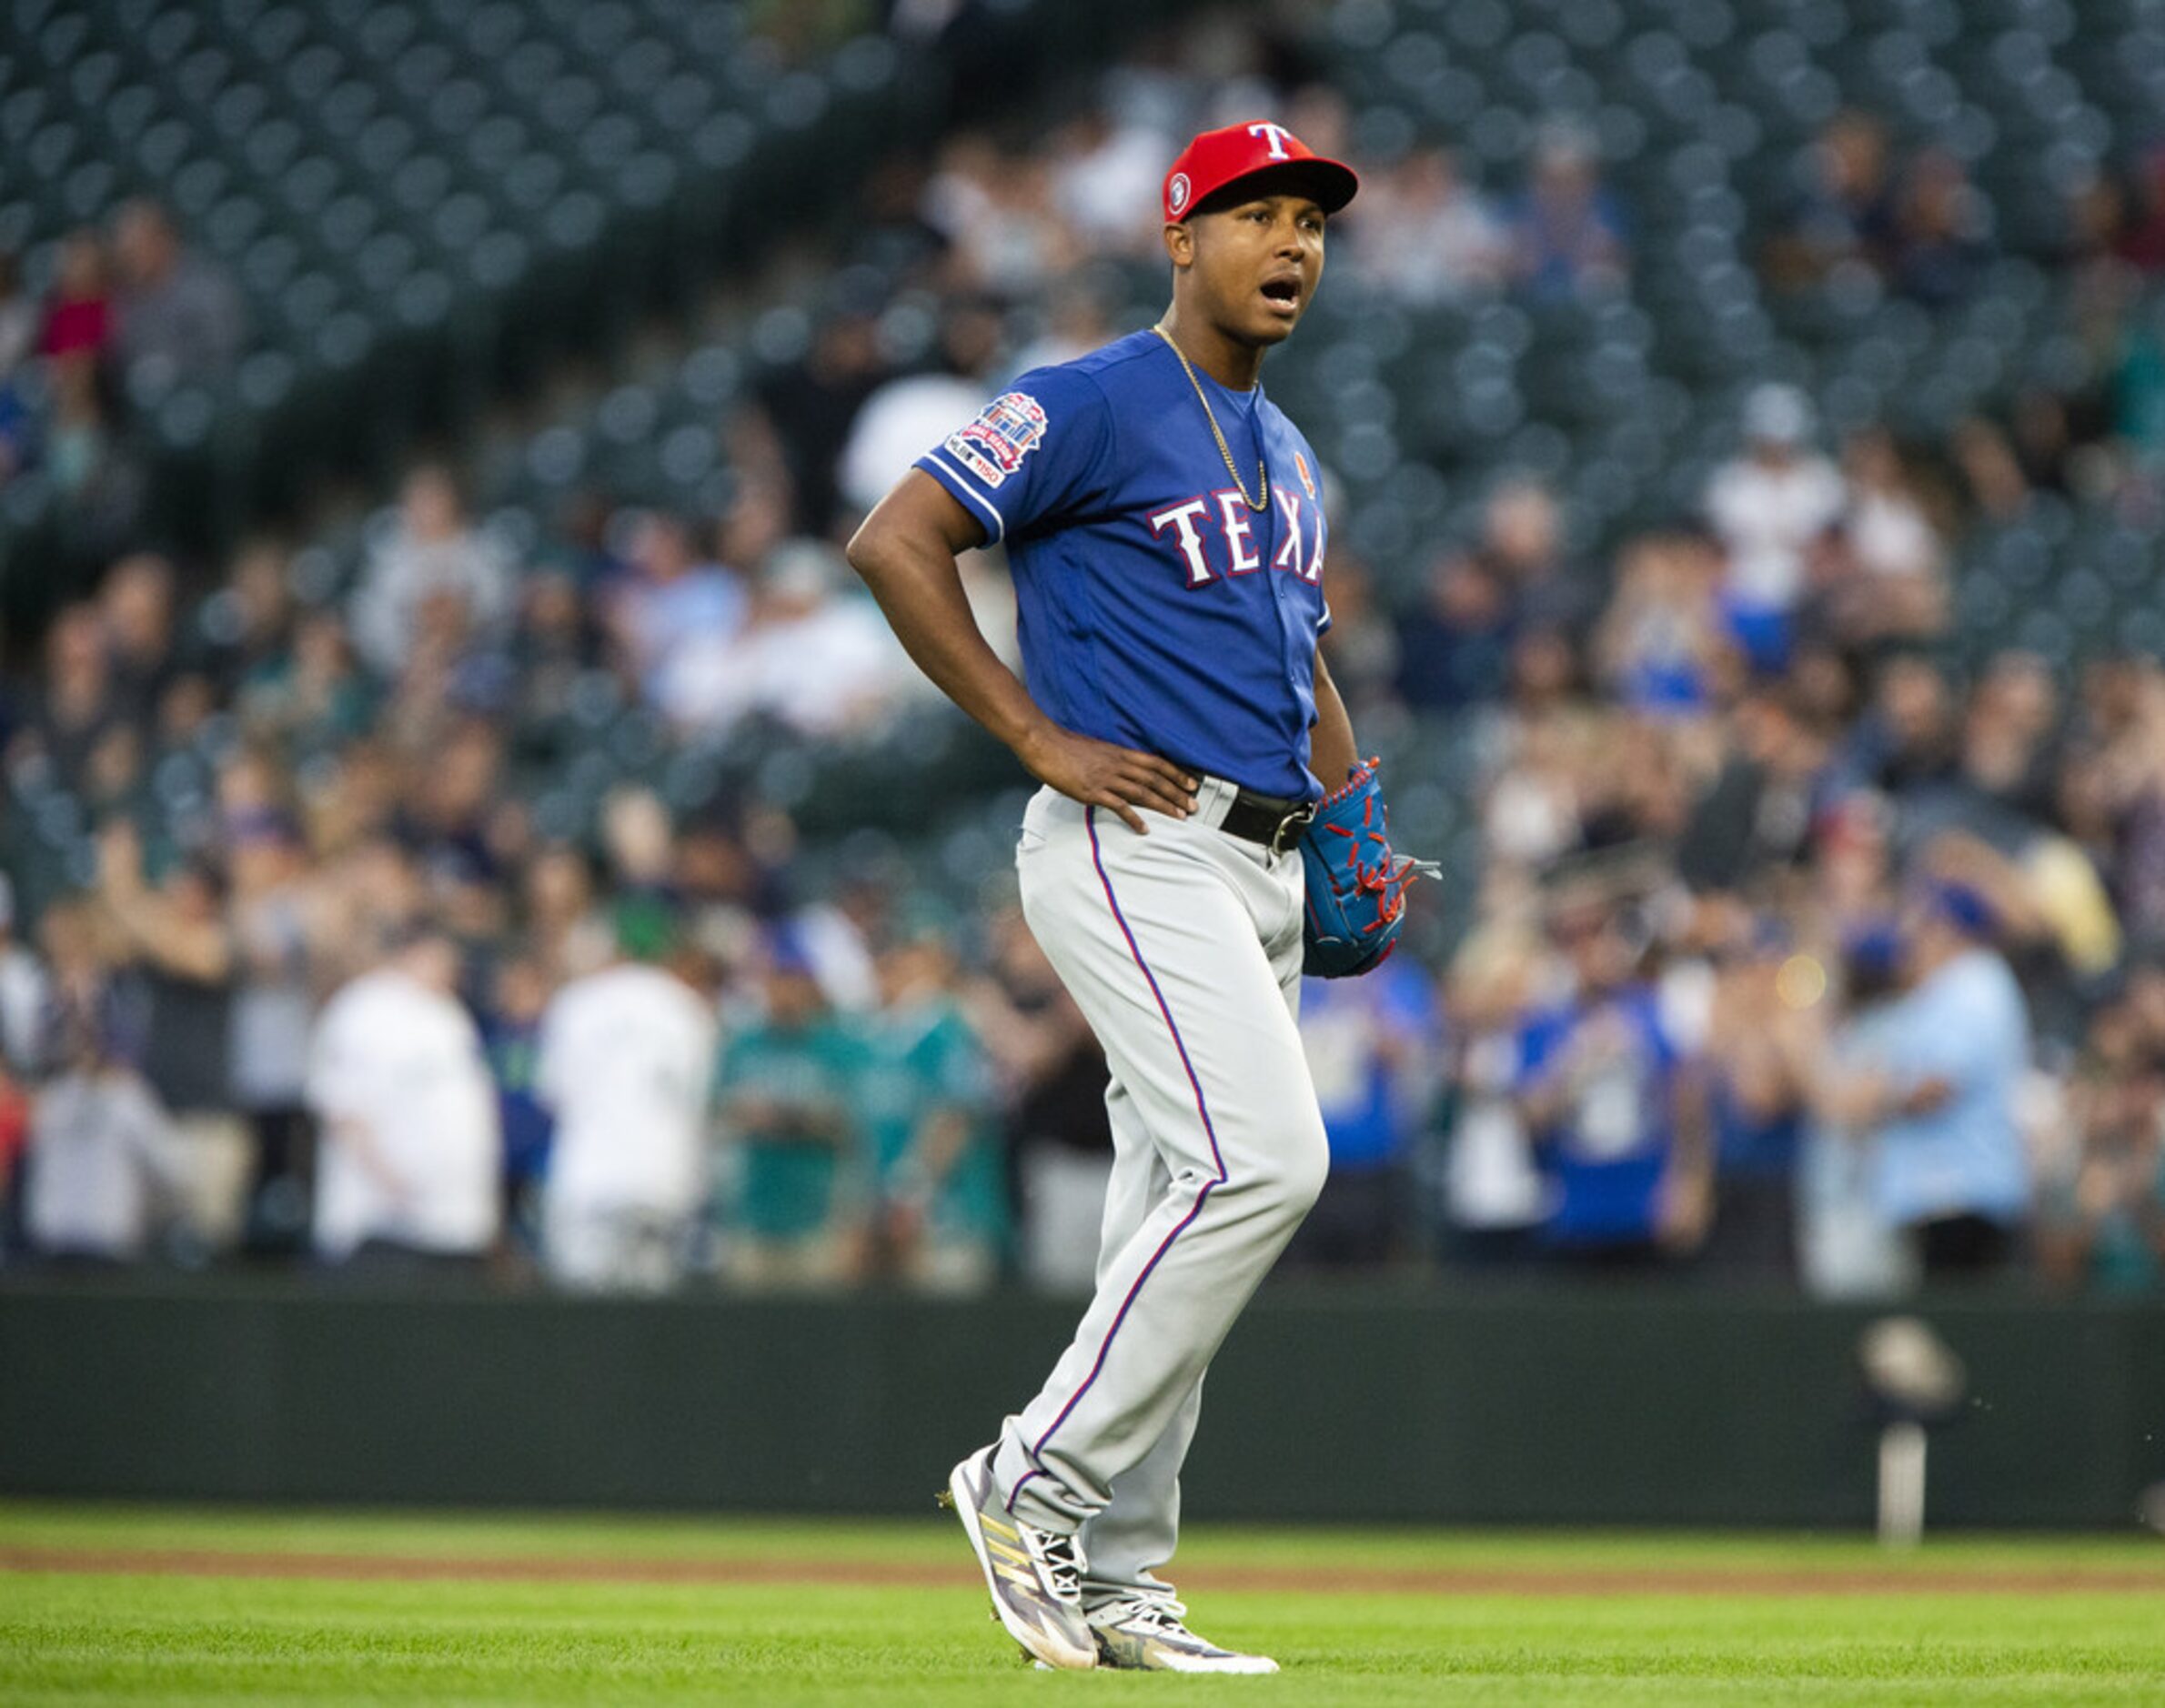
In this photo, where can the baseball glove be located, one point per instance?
(1356, 885)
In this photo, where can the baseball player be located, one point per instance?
(1164, 527)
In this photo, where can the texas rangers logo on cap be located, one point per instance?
(1254, 148)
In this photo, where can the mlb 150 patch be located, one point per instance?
(993, 446)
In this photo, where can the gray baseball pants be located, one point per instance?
(1183, 949)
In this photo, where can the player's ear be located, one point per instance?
(1180, 245)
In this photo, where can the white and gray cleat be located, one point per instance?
(1145, 1635)
(1035, 1575)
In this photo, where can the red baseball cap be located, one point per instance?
(1219, 157)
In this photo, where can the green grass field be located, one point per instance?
(100, 1604)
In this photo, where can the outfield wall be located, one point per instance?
(1506, 1407)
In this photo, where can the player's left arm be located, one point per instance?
(1355, 886)
(906, 551)
(1331, 751)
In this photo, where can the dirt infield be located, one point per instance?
(1339, 1579)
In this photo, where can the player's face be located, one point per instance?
(1257, 265)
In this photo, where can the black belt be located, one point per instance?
(1274, 822)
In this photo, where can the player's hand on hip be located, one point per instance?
(1100, 774)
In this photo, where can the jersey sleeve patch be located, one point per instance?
(995, 444)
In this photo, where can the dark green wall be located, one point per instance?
(1540, 1408)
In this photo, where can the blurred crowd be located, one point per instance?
(1796, 956)
(129, 308)
(1799, 954)
(293, 996)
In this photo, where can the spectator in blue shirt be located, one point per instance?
(1937, 1096)
(18, 429)
(1567, 229)
(1761, 1049)
(1608, 1097)
(1369, 1044)
(511, 1038)
(674, 610)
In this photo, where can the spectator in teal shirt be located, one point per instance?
(786, 1093)
(928, 1100)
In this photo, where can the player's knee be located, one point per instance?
(1312, 1168)
(1292, 1178)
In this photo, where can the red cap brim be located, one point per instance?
(1327, 183)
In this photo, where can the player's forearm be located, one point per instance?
(920, 589)
(1332, 750)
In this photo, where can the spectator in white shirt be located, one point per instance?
(1767, 506)
(815, 657)
(673, 607)
(406, 1170)
(1434, 239)
(1888, 580)
(1494, 1196)
(102, 1158)
(626, 1056)
(913, 410)
(106, 1166)
(22, 990)
(1106, 179)
(430, 551)
(1890, 530)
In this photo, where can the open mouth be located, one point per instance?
(1282, 294)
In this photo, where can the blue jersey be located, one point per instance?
(1610, 1146)
(1157, 610)
(1371, 1106)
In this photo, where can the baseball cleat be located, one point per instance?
(1035, 1575)
(1144, 1634)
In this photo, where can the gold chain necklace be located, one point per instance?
(1225, 450)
